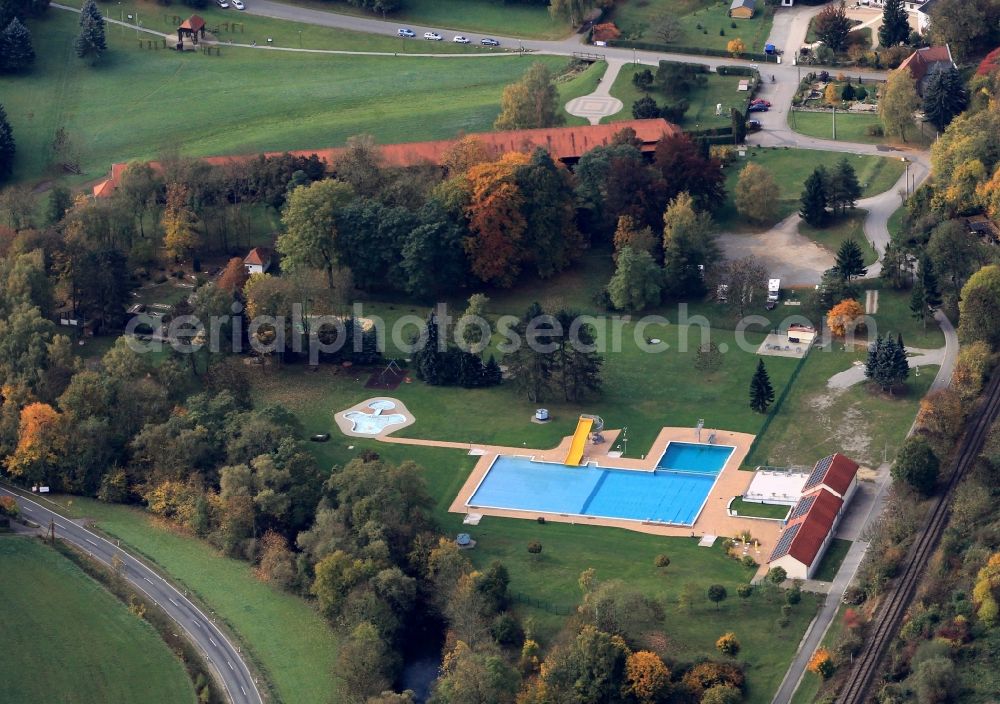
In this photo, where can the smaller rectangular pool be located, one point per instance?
(673, 493)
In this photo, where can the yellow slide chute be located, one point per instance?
(579, 443)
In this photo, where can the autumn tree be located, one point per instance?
(310, 221)
(735, 47)
(685, 169)
(898, 103)
(831, 26)
(464, 154)
(821, 663)
(38, 444)
(530, 103)
(496, 224)
(471, 676)
(979, 307)
(971, 369)
(646, 677)
(845, 318)
(234, 277)
(365, 664)
(689, 247)
(572, 11)
(757, 194)
(941, 416)
(181, 226)
(761, 391)
(630, 234)
(966, 26)
(728, 644)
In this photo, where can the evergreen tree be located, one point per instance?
(761, 391)
(850, 260)
(428, 359)
(918, 306)
(895, 27)
(91, 42)
(470, 369)
(944, 96)
(576, 364)
(815, 198)
(926, 293)
(7, 146)
(739, 123)
(492, 374)
(900, 363)
(887, 364)
(16, 51)
(844, 188)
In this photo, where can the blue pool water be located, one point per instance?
(674, 493)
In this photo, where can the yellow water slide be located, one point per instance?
(579, 443)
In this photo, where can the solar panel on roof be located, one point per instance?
(785, 543)
(819, 472)
(802, 507)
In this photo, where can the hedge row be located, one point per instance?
(697, 50)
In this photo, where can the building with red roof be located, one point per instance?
(565, 144)
(923, 61)
(811, 524)
(257, 261)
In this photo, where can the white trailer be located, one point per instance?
(773, 290)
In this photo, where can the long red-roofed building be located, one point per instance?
(565, 144)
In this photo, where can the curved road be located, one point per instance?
(224, 657)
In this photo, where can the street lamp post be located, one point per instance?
(906, 175)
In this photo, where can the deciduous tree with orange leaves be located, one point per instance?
(648, 678)
(234, 276)
(847, 317)
(39, 439)
(181, 227)
(497, 225)
(821, 663)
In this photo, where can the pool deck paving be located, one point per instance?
(712, 520)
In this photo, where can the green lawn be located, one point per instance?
(791, 167)
(843, 228)
(583, 83)
(119, 110)
(895, 224)
(285, 637)
(242, 28)
(850, 128)
(700, 114)
(66, 639)
(832, 560)
(757, 510)
(810, 684)
(700, 21)
(528, 20)
(815, 421)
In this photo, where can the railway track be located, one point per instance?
(890, 615)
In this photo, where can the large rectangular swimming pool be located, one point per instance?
(674, 493)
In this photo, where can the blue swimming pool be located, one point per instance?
(673, 493)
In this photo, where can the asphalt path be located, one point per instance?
(224, 657)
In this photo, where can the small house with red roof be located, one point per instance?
(258, 261)
(922, 62)
(835, 473)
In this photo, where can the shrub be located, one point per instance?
(875, 131)
(535, 547)
(717, 594)
(728, 644)
(748, 561)
(777, 575)
(506, 630)
(661, 561)
(793, 596)
(821, 663)
(744, 591)
(917, 465)
(707, 675)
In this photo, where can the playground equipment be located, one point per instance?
(586, 425)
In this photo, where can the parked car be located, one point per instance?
(753, 125)
(488, 41)
(459, 39)
(757, 108)
(222, 3)
(238, 4)
(433, 36)
(761, 101)
(404, 32)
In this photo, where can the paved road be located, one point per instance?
(224, 657)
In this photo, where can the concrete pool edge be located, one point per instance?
(596, 465)
(712, 517)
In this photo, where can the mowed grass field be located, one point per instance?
(700, 114)
(66, 639)
(284, 635)
(845, 227)
(791, 167)
(851, 128)
(137, 102)
(700, 22)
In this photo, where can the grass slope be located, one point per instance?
(68, 640)
(137, 103)
(702, 101)
(285, 636)
(850, 128)
(636, 17)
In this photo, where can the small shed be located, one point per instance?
(742, 9)
(257, 261)
(194, 27)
